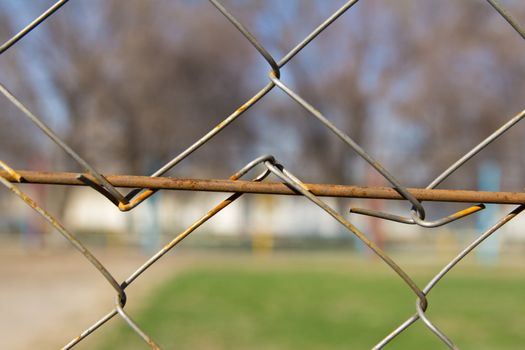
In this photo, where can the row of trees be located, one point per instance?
(130, 85)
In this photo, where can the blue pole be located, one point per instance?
(489, 179)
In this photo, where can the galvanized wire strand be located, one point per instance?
(181, 236)
(445, 270)
(73, 342)
(479, 147)
(433, 328)
(13, 40)
(135, 198)
(348, 5)
(54, 137)
(120, 309)
(508, 17)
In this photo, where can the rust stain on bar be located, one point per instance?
(326, 190)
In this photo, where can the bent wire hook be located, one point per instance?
(415, 219)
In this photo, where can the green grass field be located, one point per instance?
(334, 304)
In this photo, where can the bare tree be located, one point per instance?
(464, 81)
(413, 82)
(147, 81)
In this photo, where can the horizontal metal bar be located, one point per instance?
(212, 185)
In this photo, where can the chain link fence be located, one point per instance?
(143, 187)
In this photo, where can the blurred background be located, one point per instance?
(130, 84)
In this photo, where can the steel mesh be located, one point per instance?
(145, 187)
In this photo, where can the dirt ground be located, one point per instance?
(47, 297)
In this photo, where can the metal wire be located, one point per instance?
(144, 187)
(219, 185)
(13, 40)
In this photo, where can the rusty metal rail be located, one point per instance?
(144, 187)
(218, 185)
